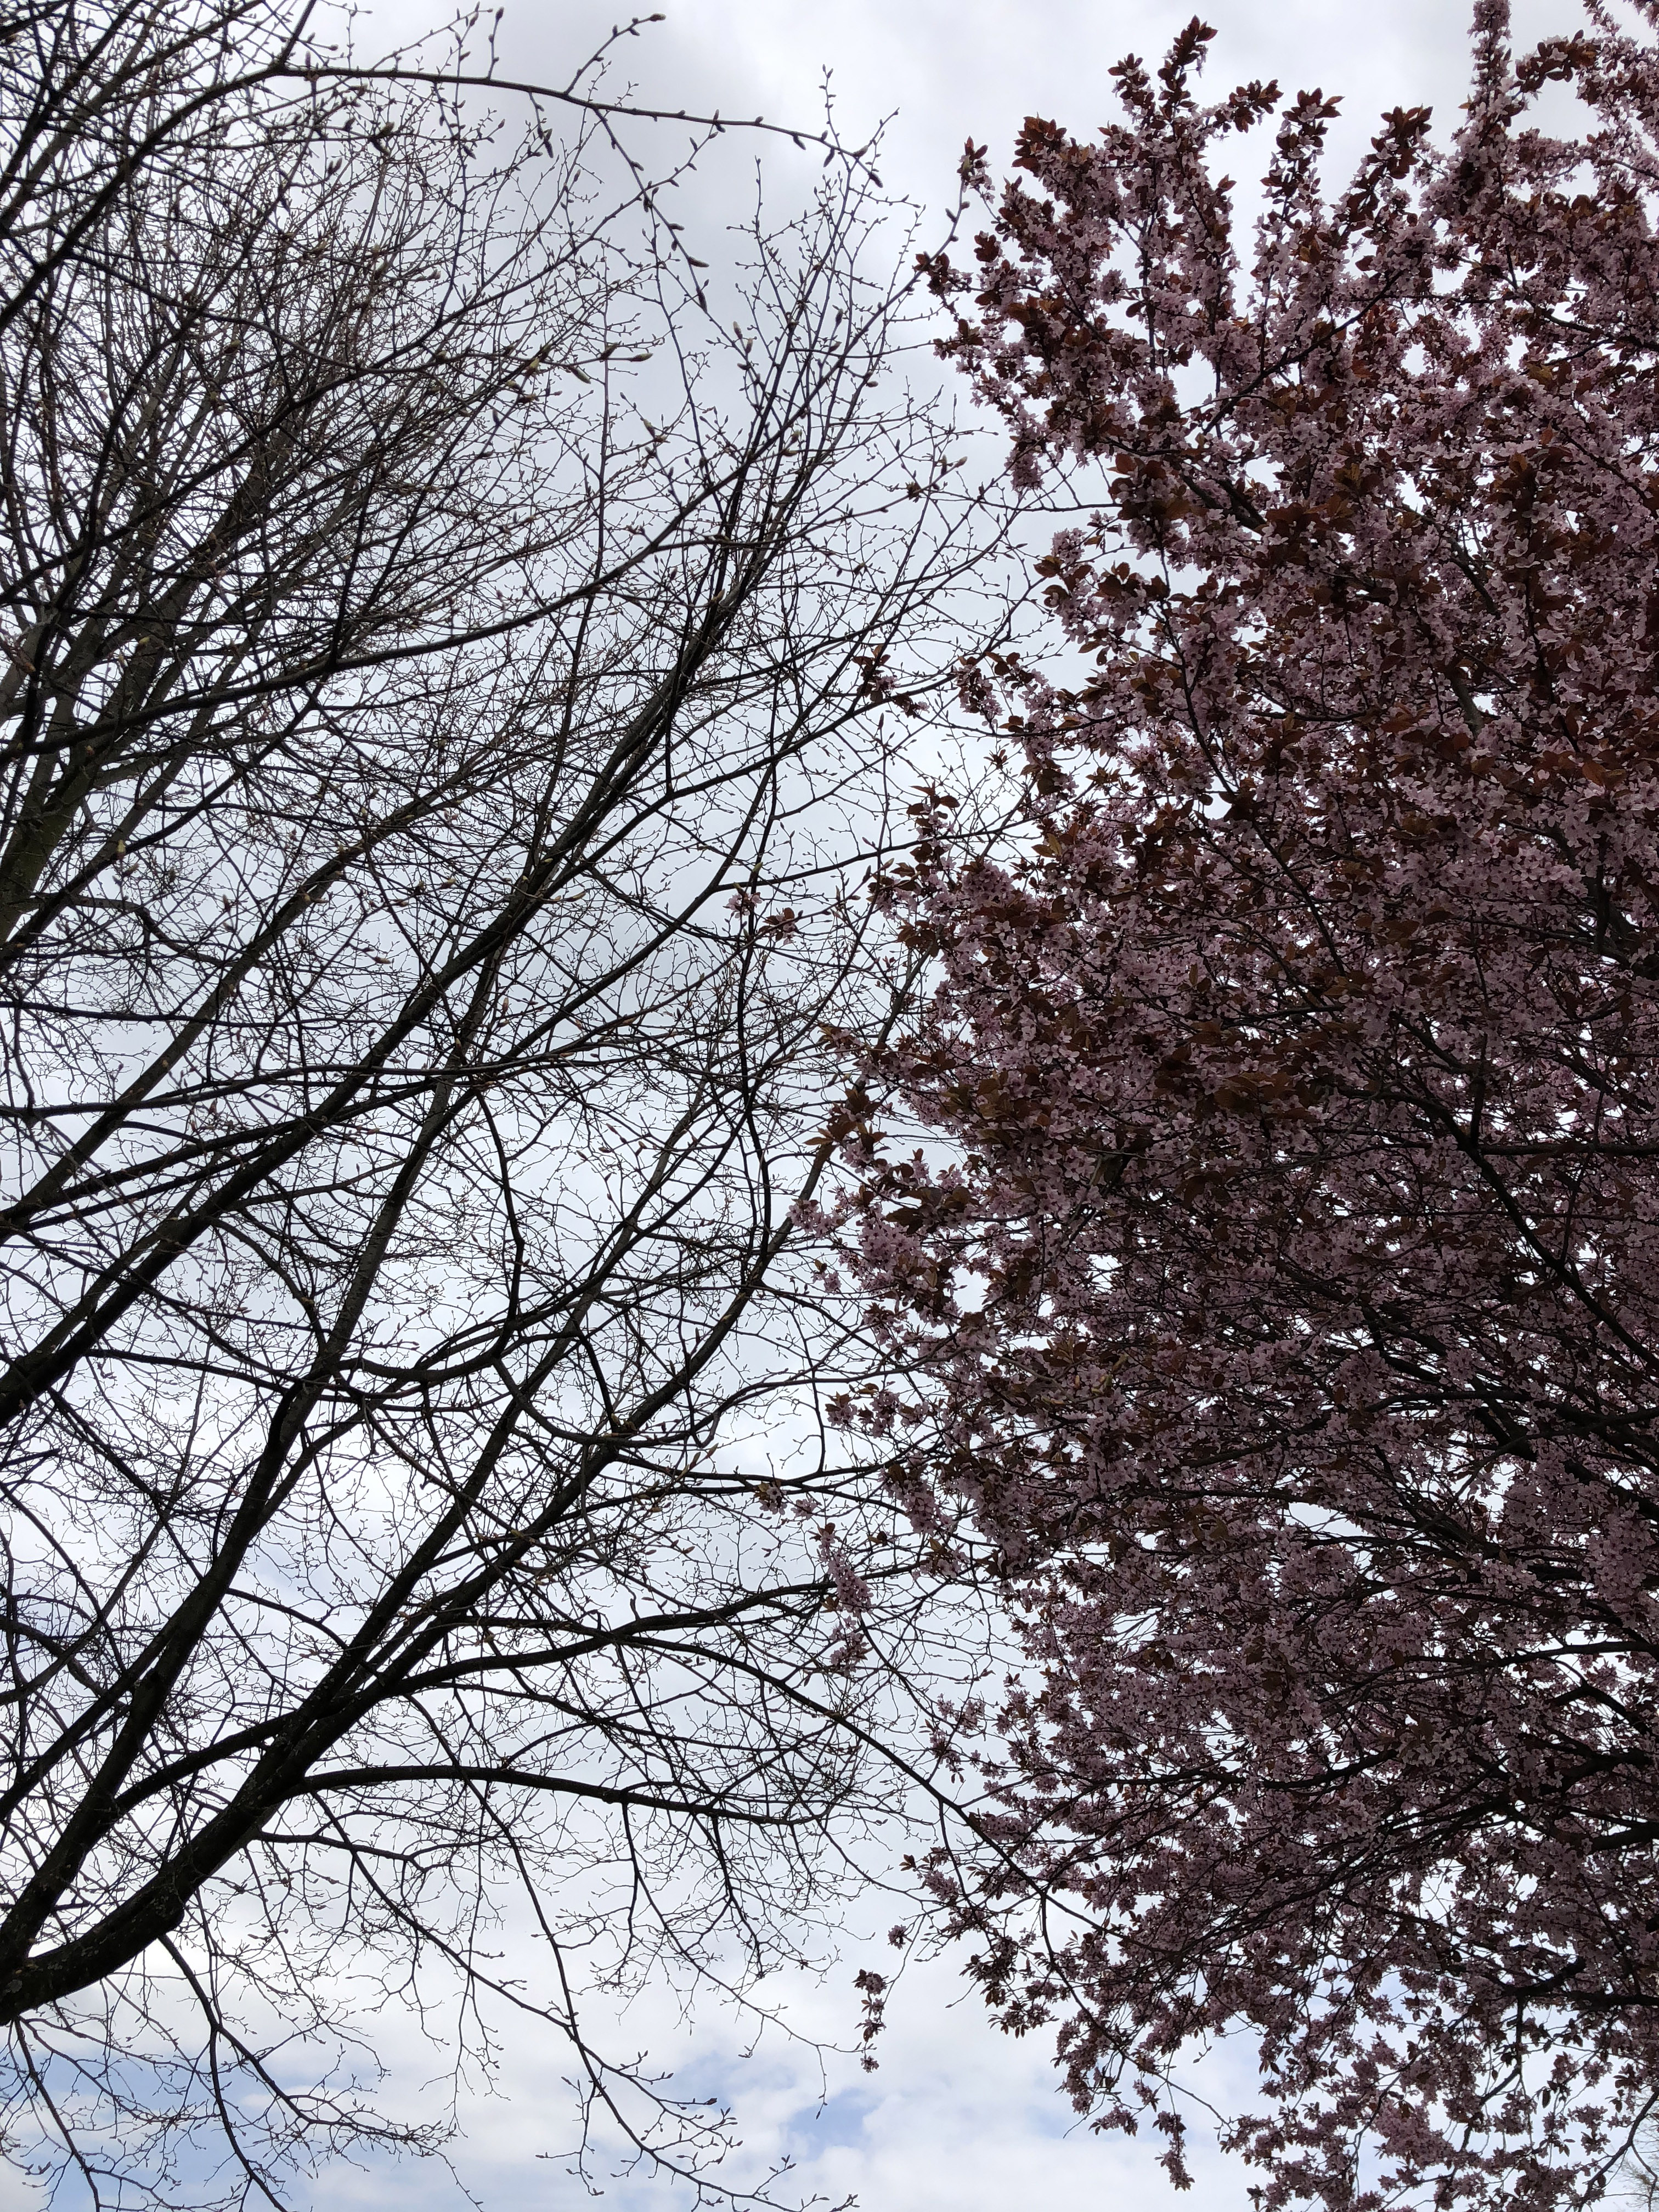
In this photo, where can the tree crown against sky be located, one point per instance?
(436, 765)
(1284, 1302)
(441, 734)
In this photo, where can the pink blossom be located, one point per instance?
(1304, 1081)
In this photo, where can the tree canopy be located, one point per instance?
(437, 757)
(1284, 1303)
(453, 696)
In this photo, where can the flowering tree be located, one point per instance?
(1289, 1318)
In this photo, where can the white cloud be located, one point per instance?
(958, 2118)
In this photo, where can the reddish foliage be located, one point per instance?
(1290, 1322)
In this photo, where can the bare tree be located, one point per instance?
(432, 764)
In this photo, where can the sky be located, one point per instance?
(958, 2117)
(943, 68)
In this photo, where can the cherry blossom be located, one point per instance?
(1285, 1311)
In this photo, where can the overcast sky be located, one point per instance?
(944, 68)
(957, 2117)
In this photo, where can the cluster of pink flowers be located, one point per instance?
(1289, 1324)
